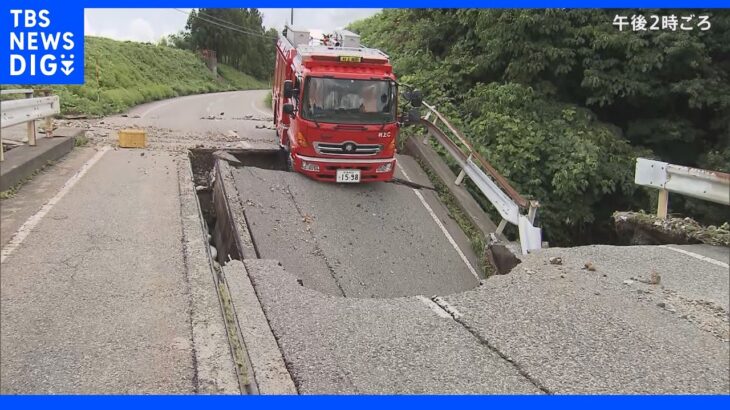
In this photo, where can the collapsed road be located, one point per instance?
(328, 288)
(345, 323)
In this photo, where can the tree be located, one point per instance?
(665, 93)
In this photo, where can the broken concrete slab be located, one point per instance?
(335, 345)
(364, 240)
(579, 331)
(268, 367)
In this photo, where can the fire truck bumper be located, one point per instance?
(325, 169)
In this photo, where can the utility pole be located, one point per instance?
(291, 19)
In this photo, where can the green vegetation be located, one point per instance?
(81, 141)
(238, 80)
(267, 99)
(119, 75)
(237, 36)
(562, 102)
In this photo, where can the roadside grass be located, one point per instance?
(121, 74)
(267, 99)
(81, 141)
(238, 80)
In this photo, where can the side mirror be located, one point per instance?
(288, 89)
(414, 117)
(411, 118)
(416, 98)
(288, 109)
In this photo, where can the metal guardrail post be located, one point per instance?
(49, 120)
(31, 125)
(462, 174)
(501, 226)
(662, 204)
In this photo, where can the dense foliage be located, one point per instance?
(562, 101)
(236, 35)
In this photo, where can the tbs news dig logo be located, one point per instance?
(45, 48)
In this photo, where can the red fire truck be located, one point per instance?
(335, 107)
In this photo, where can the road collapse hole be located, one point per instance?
(220, 227)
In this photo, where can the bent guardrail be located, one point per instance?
(28, 110)
(698, 183)
(512, 207)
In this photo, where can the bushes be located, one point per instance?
(562, 102)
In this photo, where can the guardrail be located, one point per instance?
(710, 186)
(512, 206)
(28, 110)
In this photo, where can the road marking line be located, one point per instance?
(440, 225)
(33, 221)
(697, 256)
(433, 306)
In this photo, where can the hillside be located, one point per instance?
(119, 75)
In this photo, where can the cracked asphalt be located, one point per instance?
(111, 292)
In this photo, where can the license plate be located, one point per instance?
(351, 176)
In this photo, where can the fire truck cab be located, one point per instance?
(335, 107)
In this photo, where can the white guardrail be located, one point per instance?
(711, 186)
(491, 183)
(28, 110)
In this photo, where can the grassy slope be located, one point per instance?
(119, 75)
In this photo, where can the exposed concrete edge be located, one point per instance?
(215, 368)
(235, 229)
(267, 361)
(263, 352)
(23, 161)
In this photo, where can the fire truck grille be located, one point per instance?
(347, 148)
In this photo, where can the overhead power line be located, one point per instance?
(224, 24)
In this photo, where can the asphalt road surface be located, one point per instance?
(364, 240)
(99, 292)
(106, 287)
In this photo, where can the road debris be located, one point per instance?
(638, 228)
(556, 260)
(589, 266)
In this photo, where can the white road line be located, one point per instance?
(440, 225)
(433, 306)
(33, 221)
(698, 256)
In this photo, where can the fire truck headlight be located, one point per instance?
(310, 166)
(387, 167)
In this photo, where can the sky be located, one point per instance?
(149, 25)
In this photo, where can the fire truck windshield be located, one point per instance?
(349, 101)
